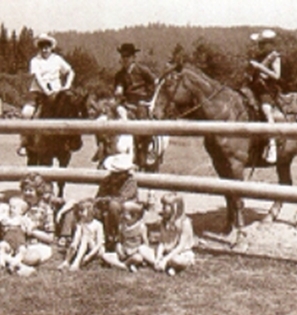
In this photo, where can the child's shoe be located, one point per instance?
(171, 272)
(133, 268)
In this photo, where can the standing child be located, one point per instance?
(132, 235)
(174, 252)
(88, 240)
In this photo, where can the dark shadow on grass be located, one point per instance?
(214, 220)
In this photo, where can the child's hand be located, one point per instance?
(58, 217)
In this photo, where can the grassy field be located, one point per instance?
(217, 284)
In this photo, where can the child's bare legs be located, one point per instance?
(5, 253)
(272, 149)
(134, 261)
(180, 262)
(113, 260)
(16, 261)
(81, 251)
(148, 254)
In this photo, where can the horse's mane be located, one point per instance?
(198, 76)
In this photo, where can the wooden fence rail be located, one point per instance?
(193, 184)
(177, 128)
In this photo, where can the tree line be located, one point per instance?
(222, 53)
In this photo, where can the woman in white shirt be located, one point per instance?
(48, 70)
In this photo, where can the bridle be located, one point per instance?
(178, 82)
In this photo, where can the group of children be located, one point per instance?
(133, 249)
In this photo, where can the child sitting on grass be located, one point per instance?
(13, 245)
(88, 240)
(132, 235)
(174, 252)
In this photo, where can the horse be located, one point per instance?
(42, 149)
(187, 92)
(105, 109)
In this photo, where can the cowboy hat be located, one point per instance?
(118, 163)
(127, 49)
(44, 38)
(264, 35)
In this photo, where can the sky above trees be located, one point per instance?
(92, 15)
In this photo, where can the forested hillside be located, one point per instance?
(220, 52)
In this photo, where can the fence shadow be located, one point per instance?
(214, 220)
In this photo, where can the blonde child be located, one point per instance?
(174, 252)
(14, 226)
(88, 240)
(132, 235)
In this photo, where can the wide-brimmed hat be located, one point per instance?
(44, 38)
(127, 49)
(264, 35)
(119, 163)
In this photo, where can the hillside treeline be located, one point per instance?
(222, 53)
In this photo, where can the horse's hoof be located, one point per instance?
(236, 237)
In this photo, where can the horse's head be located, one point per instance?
(71, 105)
(183, 92)
(100, 106)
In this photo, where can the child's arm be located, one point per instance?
(274, 74)
(144, 235)
(77, 237)
(69, 205)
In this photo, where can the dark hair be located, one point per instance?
(34, 180)
(81, 204)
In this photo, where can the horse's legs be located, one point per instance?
(284, 178)
(64, 159)
(232, 169)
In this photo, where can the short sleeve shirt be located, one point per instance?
(50, 70)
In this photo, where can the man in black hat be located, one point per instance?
(135, 83)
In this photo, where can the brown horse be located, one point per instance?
(42, 149)
(187, 92)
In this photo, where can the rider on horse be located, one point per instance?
(265, 80)
(135, 83)
(49, 70)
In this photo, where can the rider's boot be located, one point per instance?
(271, 155)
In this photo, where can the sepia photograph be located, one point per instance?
(148, 157)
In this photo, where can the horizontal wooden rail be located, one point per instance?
(177, 128)
(164, 182)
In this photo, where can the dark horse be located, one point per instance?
(189, 93)
(105, 109)
(42, 149)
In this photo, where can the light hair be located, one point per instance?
(20, 202)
